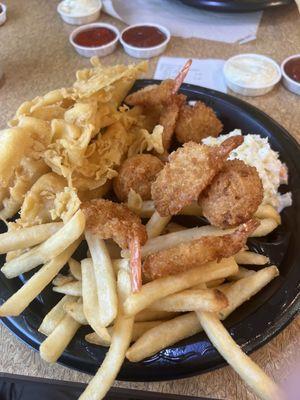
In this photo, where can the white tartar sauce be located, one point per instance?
(251, 70)
(79, 7)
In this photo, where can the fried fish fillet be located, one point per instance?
(197, 122)
(113, 221)
(189, 171)
(192, 254)
(233, 196)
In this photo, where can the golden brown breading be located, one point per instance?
(233, 196)
(189, 171)
(168, 118)
(152, 95)
(197, 122)
(192, 254)
(137, 173)
(113, 221)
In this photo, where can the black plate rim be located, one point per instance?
(290, 313)
(235, 6)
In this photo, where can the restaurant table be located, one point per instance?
(36, 57)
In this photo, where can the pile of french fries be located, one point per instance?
(97, 292)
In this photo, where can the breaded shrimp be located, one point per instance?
(152, 95)
(115, 221)
(165, 98)
(156, 94)
(137, 173)
(168, 118)
(233, 196)
(189, 171)
(192, 254)
(197, 122)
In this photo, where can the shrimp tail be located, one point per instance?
(135, 264)
(181, 76)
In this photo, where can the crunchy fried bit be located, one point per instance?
(169, 117)
(137, 173)
(189, 255)
(113, 220)
(190, 170)
(152, 95)
(197, 122)
(233, 196)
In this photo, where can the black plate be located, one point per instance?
(254, 324)
(236, 5)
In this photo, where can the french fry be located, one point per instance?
(75, 268)
(51, 248)
(242, 273)
(121, 263)
(250, 258)
(165, 286)
(242, 290)
(72, 288)
(151, 315)
(139, 328)
(267, 225)
(55, 315)
(75, 310)
(148, 209)
(120, 341)
(268, 211)
(184, 326)
(156, 225)
(33, 287)
(173, 227)
(163, 335)
(105, 279)
(189, 300)
(61, 279)
(251, 373)
(55, 344)
(213, 284)
(90, 299)
(173, 239)
(27, 237)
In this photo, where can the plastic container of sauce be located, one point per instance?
(98, 39)
(145, 40)
(2, 13)
(79, 12)
(290, 69)
(251, 74)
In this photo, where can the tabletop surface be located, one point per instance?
(36, 57)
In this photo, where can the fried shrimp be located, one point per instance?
(233, 196)
(192, 254)
(152, 95)
(189, 171)
(115, 221)
(197, 122)
(168, 118)
(165, 98)
(137, 173)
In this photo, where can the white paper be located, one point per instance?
(186, 21)
(207, 72)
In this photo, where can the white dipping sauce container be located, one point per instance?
(251, 74)
(85, 18)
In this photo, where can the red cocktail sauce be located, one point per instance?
(292, 69)
(94, 37)
(144, 36)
